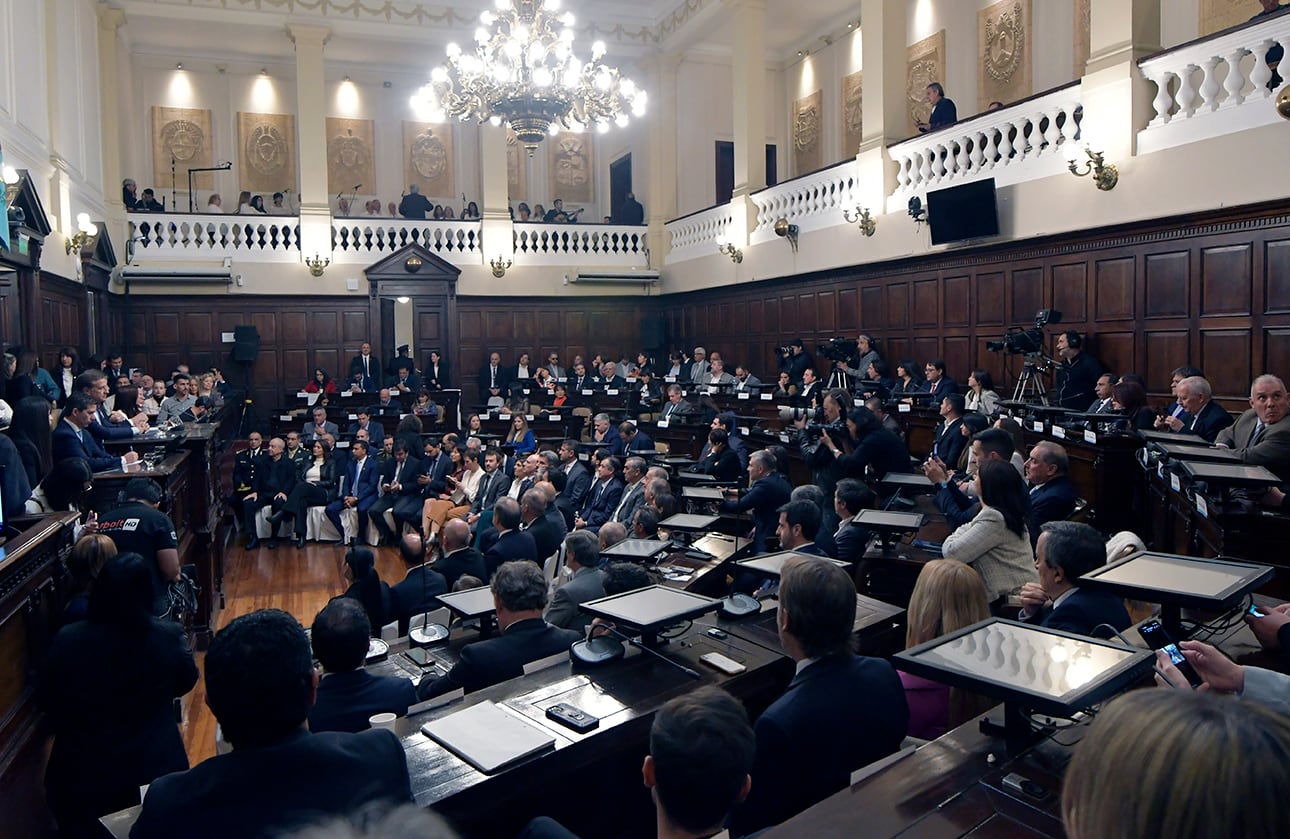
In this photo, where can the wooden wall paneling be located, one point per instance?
(926, 309)
(1226, 279)
(1114, 289)
(826, 312)
(163, 329)
(297, 369)
(1027, 294)
(1276, 276)
(1069, 293)
(897, 295)
(957, 352)
(873, 315)
(756, 317)
(957, 292)
(998, 364)
(923, 350)
(295, 327)
(1118, 352)
(1164, 351)
(849, 310)
(788, 313)
(990, 299)
(1168, 285)
(1276, 353)
(1225, 356)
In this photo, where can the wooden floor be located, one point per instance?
(297, 581)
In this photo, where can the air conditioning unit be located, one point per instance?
(146, 274)
(628, 277)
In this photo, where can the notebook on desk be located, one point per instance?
(488, 737)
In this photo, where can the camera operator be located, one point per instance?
(794, 359)
(825, 470)
(859, 371)
(1078, 373)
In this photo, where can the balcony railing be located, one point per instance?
(1029, 140)
(696, 234)
(364, 240)
(199, 238)
(581, 244)
(1213, 86)
(811, 202)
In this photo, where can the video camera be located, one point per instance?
(843, 350)
(1018, 341)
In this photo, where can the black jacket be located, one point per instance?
(486, 663)
(464, 561)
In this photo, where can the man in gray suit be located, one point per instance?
(1261, 436)
(699, 368)
(313, 430)
(582, 554)
(745, 381)
(634, 494)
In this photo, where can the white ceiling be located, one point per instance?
(408, 36)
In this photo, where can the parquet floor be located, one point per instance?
(296, 581)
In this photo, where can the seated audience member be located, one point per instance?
(519, 594)
(260, 683)
(828, 515)
(1066, 551)
(71, 439)
(512, 544)
(948, 441)
(367, 587)
(879, 409)
(947, 597)
(908, 380)
(1261, 435)
(645, 523)
(1271, 629)
(981, 396)
(321, 383)
(582, 555)
(1130, 399)
(957, 507)
(625, 576)
(851, 540)
(459, 558)
(611, 533)
(275, 477)
(973, 423)
(937, 383)
(547, 531)
(107, 689)
(364, 422)
(606, 435)
(319, 426)
(66, 489)
(183, 399)
(602, 496)
(521, 436)
(995, 541)
(809, 743)
(348, 695)
(361, 476)
(721, 462)
(799, 523)
(319, 479)
(768, 490)
(1103, 390)
(1052, 493)
(1176, 410)
(1219, 674)
(1163, 763)
(418, 592)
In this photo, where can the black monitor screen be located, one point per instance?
(963, 212)
(651, 608)
(470, 602)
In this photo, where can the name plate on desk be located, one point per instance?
(670, 379)
(1090, 436)
(285, 417)
(1160, 471)
(553, 416)
(528, 417)
(588, 392)
(1059, 432)
(1202, 506)
(613, 392)
(1039, 426)
(631, 380)
(1174, 483)
(503, 416)
(783, 436)
(766, 397)
(904, 408)
(663, 423)
(303, 394)
(743, 394)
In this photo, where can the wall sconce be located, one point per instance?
(729, 249)
(318, 264)
(1105, 175)
(1283, 102)
(85, 230)
(784, 230)
(867, 222)
(500, 264)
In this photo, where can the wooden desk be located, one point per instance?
(562, 425)
(879, 627)
(1105, 473)
(33, 592)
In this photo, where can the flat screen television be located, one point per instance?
(963, 212)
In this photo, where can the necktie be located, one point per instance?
(1259, 428)
(367, 371)
(492, 376)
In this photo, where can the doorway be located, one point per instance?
(726, 169)
(620, 184)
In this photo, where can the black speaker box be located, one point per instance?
(246, 344)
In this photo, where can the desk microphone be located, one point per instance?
(427, 633)
(694, 674)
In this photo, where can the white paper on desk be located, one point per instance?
(312, 398)
(903, 408)
(742, 395)
(487, 736)
(553, 416)
(662, 423)
(766, 397)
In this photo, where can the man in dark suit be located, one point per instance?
(15, 487)
(459, 558)
(808, 743)
(606, 435)
(948, 441)
(1052, 493)
(1101, 404)
(348, 695)
(943, 112)
(428, 479)
(939, 384)
(1078, 372)
(512, 543)
(768, 490)
(745, 381)
(576, 475)
(808, 396)
(1207, 417)
(1066, 551)
(797, 361)
(851, 540)
(799, 523)
(364, 422)
(398, 482)
(494, 485)
(582, 555)
(106, 425)
(602, 496)
(420, 588)
(635, 439)
(579, 380)
(1261, 436)
(492, 378)
(633, 497)
(609, 378)
(360, 490)
(547, 533)
(275, 477)
(260, 683)
(519, 593)
(368, 366)
(71, 439)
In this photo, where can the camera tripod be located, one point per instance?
(838, 380)
(1030, 386)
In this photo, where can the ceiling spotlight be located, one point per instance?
(346, 78)
(264, 71)
(386, 85)
(179, 65)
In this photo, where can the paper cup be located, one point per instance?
(384, 720)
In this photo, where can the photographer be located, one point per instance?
(794, 359)
(866, 444)
(825, 470)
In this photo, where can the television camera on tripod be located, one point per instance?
(1029, 344)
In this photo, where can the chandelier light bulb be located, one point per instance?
(502, 5)
(495, 120)
(486, 17)
(597, 50)
(542, 77)
(552, 5)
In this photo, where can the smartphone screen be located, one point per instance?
(1255, 612)
(1184, 666)
(1154, 634)
(419, 657)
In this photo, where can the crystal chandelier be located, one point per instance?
(524, 72)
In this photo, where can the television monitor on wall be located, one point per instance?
(963, 212)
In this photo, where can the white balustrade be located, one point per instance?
(1029, 140)
(811, 202)
(364, 240)
(1213, 86)
(697, 234)
(200, 238)
(584, 245)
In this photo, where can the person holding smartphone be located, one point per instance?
(1220, 674)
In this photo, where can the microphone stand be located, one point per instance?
(174, 199)
(223, 167)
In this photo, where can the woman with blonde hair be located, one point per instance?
(521, 436)
(1182, 764)
(948, 596)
